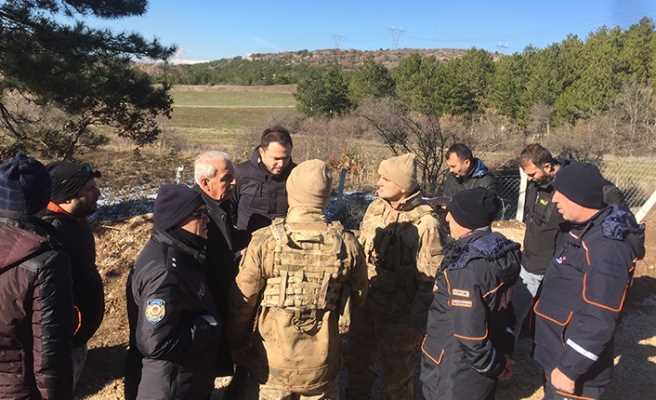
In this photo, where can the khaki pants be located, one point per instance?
(384, 347)
(331, 392)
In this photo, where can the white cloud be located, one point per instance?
(180, 57)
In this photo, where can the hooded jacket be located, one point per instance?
(36, 320)
(480, 176)
(467, 334)
(260, 195)
(583, 295)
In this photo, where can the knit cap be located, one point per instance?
(309, 184)
(401, 170)
(474, 208)
(24, 185)
(582, 183)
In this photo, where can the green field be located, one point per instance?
(234, 96)
(224, 118)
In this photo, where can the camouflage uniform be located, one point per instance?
(401, 250)
(296, 282)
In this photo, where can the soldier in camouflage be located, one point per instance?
(296, 283)
(399, 234)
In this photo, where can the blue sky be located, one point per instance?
(212, 29)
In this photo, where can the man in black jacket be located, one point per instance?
(175, 328)
(215, 179)
(465, 172)
(585, 287)
(36, 322)
(466, 342)
(543, 225)
(261, 195)
(73, 199)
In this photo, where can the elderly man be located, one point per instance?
(174, 323)
(400, 241)
(585, 287)
(292, 293)
(261, 195)
(74, 197)
(36, 318)
(214, 176)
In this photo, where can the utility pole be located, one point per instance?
(396, 35)
(338, 39)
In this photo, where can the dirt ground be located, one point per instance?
(119, 243)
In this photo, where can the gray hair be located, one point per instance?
(202, 166)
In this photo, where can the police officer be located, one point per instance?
(400, 240)
(297, 280)
(174, 323)
(466, 343)
(585, 287)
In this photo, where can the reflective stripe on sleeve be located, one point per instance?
(581, 350)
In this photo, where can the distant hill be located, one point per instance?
(350, 58)
(283, 68)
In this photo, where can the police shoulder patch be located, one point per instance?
(155, 310)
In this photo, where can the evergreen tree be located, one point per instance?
(51, 59)
(371, 80)
(324, 93)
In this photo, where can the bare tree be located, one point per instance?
(405, 132)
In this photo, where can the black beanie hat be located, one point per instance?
(582, 183)
(174, 204)
(68, 178)
(24, 185)
(474, 208)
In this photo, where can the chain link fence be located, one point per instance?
(635, 177)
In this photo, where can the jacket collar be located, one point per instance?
(168, 239)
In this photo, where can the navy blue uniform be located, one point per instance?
(175, 327)
(468, 336)
(582, 297)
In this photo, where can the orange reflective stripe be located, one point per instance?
(472, 338)
(548, 318)
(493, 290)
(587, 253)
(77, 319)
(448, 284)
(439, 358)
(602, 306)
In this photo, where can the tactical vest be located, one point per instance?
(307, 266)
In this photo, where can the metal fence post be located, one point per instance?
(644, 210)
(342, 182)
(521, 197)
